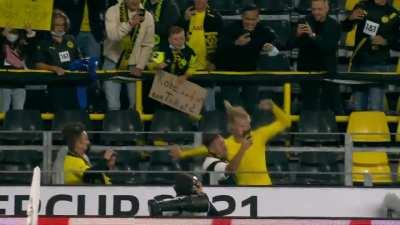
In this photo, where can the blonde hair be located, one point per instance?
(235, 112)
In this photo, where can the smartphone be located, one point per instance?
(141, 12)
(302, 22)
(247, 134)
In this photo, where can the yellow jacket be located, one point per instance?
(252, 169)
(75, 170)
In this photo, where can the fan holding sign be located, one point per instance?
(174, 64)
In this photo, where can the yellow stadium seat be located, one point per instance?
(368, 127)
(350, 4)
(396, 4)
(374, 163)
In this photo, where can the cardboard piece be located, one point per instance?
(188, 97)
(19, 14)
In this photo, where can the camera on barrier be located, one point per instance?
(192, 205)
(190, 200)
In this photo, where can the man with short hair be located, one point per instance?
(377, 25)
(239, 48)
(221, 171)
(129, 44)
(317, 38)
(77, 167)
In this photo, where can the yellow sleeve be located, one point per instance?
(192, 66)
(282, 121)
(192, 152)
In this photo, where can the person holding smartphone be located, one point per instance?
(129, 44)
(377, 25)
(252, 169)
(317, 37)
(239, 49)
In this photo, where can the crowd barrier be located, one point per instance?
(274, 78)
(193, 221)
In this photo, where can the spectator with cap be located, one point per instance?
(16, 49)
(221, 171)
(377, 24)
(239, 48)
(55, 53)
(129, 45)
(78, 169)
(166, 13)
(317, 37)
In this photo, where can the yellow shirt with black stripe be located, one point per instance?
(75, 168)
(179, 62)
(252, 169)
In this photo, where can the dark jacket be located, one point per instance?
(177, 64)
(48, 51)
(241, 58)
(213, 26)
(319, 53)
(74, 10)
(388, 19)
(168, 16)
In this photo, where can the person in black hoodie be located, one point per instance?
(377, 26)
(317, 38)
(239, 49)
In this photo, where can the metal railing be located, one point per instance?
(47, 147)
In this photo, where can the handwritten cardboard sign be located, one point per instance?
(187, 98)
(19, 14)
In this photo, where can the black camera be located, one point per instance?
(191, 205)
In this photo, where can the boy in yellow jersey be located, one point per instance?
(77, 167)
(252, 169)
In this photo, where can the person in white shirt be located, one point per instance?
(221, 172)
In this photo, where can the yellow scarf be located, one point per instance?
(128, 41)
